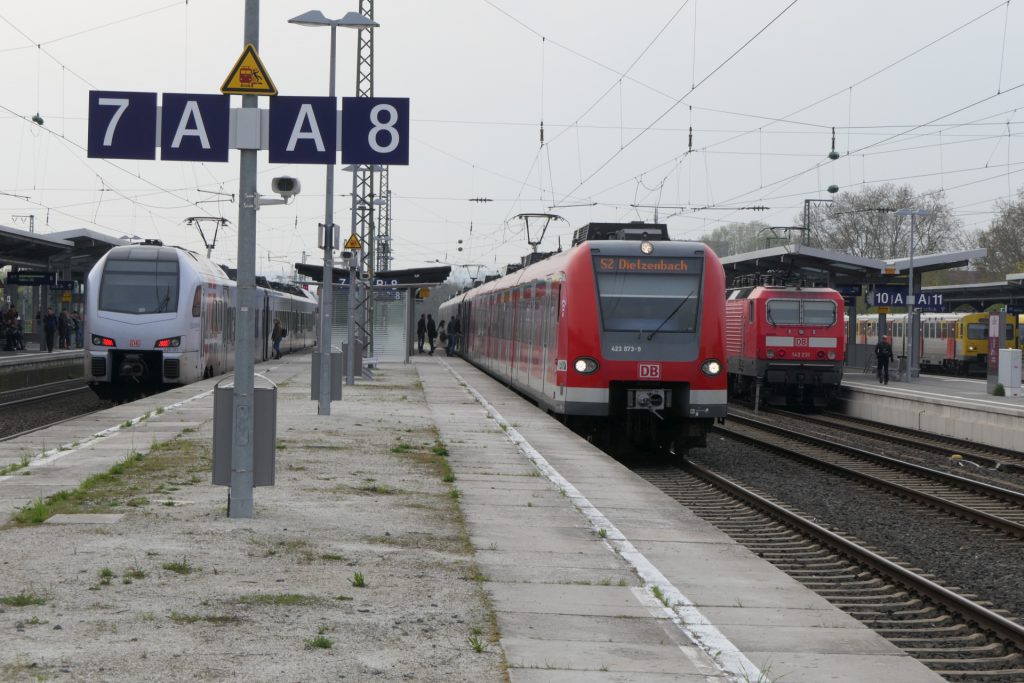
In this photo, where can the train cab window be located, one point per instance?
(642, 302)
(977, 331)
(801, 312)
(141, 285)
(1009, 332)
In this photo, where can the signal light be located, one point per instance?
(97, 340)
(169, 343)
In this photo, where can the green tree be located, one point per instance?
(1004, 238)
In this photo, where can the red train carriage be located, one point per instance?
(622, 336)
(785, 344)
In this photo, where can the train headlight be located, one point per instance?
(169, 343)
(770, 353)
(97, 340)
(585, 366)
(711, 367)
(971, 348)
(646, 247)
(831, 355)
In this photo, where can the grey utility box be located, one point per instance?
(337, 373)
(264, 432)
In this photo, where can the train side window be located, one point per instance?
(197, 302)
(750, 314)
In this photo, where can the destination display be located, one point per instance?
(647, 264)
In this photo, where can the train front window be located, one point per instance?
(977, 330)
(820, 312)
(646, 294)
(139, 286)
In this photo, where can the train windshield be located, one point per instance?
(139, 286)
(647, 294)
(977, 330)
(820, 312)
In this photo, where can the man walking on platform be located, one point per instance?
(421, 330)
(431, 333)
(883, 354)
(49, 328)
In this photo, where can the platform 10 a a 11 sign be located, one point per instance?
(302, 130)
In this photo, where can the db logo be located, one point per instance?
(650, 370)
(800, 341)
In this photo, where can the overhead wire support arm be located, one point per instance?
(541, 221)
(198, 222)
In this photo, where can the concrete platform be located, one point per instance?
(568, 543)
(959, 407)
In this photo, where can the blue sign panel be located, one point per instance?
(303, 130)
(375, 130)
(895, 295)
(849, 290)
(122, 125)
(194, 127)
(32, 278)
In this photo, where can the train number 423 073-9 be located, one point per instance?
(620, 348)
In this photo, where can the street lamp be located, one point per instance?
(357, 21)
(912, 325)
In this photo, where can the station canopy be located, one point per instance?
(981, 295)
(832, 268)
(71, 251)
(413, 277)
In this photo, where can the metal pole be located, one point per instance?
(240, 495)
(911, 326)
(326, 290)
(350, 360)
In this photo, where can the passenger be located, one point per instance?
(49, 328)
(421, 330)
(276, 336)
(79, 328)
(454, 335)
(64, 330)
(883, 353)
(442, 335)
(431, 333)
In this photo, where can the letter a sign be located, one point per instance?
(249, 76)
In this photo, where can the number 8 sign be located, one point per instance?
(375, 130)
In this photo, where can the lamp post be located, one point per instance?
(912, 326)
(357, 21)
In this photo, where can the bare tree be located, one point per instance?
(864, 223)
(739, 238)
(1004, 238)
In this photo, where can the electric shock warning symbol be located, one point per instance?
(248, 76)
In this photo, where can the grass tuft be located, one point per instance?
(182, 567)
(22, 599)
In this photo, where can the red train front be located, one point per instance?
(622, 335)
(785, 344)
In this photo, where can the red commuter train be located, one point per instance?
(622, 336)
(785, 344)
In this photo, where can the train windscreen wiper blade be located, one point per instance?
(669, 316)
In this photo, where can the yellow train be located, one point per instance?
(955, 343)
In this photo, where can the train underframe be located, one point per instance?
(133, 374)
(646, 418)
(800, 386)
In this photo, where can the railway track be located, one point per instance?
(1001, 459)
(981, 503)
(946, 629)
(44, 406)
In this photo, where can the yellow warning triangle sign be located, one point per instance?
(249, 76)
(353, 242)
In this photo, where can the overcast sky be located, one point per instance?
(922, 92)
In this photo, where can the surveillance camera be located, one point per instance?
(286, 186)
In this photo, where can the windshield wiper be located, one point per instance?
(162, 303)
(669, 317)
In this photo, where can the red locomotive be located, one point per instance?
(622, 336)
(785, 343)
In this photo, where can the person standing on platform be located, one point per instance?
(431, 333)
(276, 336)
(77, 325)
(454, 335)
(64, 330)
(883, 354)
(49, 328)
(421, 330)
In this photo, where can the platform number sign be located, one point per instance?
(375, 130)
(122, 125)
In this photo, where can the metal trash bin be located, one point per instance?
(358, 360)
(337, 373)
(264, 431)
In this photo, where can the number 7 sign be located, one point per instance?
(122, 125)
(375, 130)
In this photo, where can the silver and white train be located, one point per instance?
(160, 316)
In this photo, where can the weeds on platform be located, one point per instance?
(279, 599)
(122, 484)
(15, 466)
(358, 581)
(22, 599)
(183, 567)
